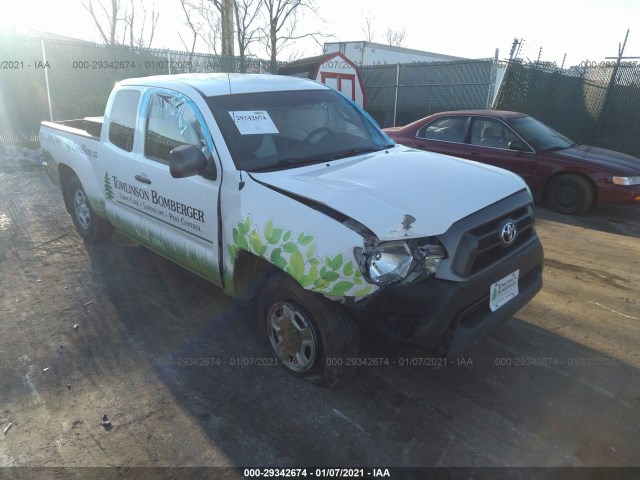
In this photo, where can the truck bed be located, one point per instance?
(87, 127)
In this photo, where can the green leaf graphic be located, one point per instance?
(304, 239)
(348, 268)
(311, 251)
(268, 230)
(337, 262)
(289, 247)
(287, 236)
(296, 264)
(277, 259)
(275, 236)
(240, 241)
(330, 276)
(256, 242)
(341, 288)
(313, 272)
(362, 292)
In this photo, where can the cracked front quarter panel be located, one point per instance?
(313, 248)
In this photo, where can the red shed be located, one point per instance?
(333, 69)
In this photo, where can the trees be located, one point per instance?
(109, 15)
(368, 28)
(395, 38)
(282, 25)
(247, 14)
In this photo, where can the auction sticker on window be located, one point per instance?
(503, 290)
(252, 123)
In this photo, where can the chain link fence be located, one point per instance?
(43, 78)
(400, 94)
(596, 104)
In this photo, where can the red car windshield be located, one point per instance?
(539, 135)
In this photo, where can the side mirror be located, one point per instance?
(517, 145)
(186, 161)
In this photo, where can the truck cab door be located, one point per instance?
(177, 218)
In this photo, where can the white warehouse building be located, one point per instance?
(369, 53)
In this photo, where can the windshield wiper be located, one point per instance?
(354, 151)
(292, 162)
(287, 162)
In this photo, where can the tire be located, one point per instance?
(88, 224)
(312, 337)
(569, 194)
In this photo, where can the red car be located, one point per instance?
(568, 177)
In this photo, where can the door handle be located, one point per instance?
(143, 179)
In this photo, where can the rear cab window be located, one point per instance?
(122, 118)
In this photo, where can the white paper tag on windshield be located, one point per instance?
(251, 123)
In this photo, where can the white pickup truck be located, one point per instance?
(282, 191)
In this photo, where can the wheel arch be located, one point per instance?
(250, 274)
(65, 172)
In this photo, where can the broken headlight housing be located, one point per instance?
(384, 263)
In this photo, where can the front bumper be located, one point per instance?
(618, 194)
(449, 316)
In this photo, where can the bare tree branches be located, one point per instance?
(395, 38)
(190, 12)
(138, 40)
(107, 21)
(247, 12)
(111, 19)
(282, 24)
(368, 27)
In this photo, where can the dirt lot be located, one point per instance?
(558, 385)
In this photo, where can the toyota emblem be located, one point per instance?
(508, 233)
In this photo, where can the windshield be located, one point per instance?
(539, 135)
(272, 130)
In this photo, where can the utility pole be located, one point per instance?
(601, 120)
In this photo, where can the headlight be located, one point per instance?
(399, 261)
(388, 262)
(626, 180)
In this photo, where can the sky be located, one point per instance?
(581, 29)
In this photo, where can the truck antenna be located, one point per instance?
(241, 184)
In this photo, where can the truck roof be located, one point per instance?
(214, 84)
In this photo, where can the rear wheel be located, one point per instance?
(569, 194)
(89, 225)
(312, 336)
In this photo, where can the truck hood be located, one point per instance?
(401, 193)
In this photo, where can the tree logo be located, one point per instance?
(108, 191)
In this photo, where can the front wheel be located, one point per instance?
(89, 225)
(569, 194)
(312, 336)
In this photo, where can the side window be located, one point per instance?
(171, 123)
(486, 132)
(447, 129)
(123, 119)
